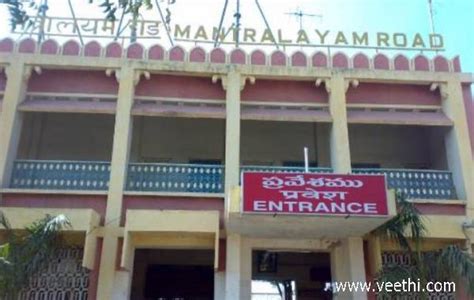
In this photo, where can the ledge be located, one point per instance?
(175, 194)
(440, 202)
(262, 71)
(98, 192)
(54, 192)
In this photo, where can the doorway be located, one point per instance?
(173, 274)
(281, 275)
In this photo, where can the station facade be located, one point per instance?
(143, 150)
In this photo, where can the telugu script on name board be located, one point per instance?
(314, 194)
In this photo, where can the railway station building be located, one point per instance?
(145, 150)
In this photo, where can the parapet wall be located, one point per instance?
(319, 59)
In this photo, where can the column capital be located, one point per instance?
(329, 84)
(225, 80)
(137, 74)
(354, 83)
(326, 82)
(27, 71)
(443, 90)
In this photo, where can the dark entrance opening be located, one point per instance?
(173, 275)
(281, 275)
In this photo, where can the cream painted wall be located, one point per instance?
(1, 104)
(66, 136)
(398, 146)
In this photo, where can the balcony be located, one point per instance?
(194, 178)
(142, 177)
(60, 175)
(417, 184)
(188, 178)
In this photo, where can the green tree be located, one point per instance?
(18, 9)
(449, 263)
(24, 253)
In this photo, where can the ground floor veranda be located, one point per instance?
(176, 254)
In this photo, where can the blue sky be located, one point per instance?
(453, 18)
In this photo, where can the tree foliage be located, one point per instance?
(131, 7)
(19, 16)
(24, 254)
(17, 10)
(450, 263)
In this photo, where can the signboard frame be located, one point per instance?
(300, 214)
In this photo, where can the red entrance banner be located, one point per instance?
(314, 194)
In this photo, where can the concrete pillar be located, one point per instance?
(108, 258)
(233, 263)
(219, 285)
(11, 119)
(121, 145)
(458, 150)
(238, 277)
(347, 265)
(108, 288)
(339, 134)
(122, 285)
(232, 84)
(374, 254)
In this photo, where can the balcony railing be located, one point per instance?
(60, 175)
(165, 177)
(157, 177)
(417, 184)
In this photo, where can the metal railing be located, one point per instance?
(60, 175)
(193, 178)
(165, 177)
(417, 184)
